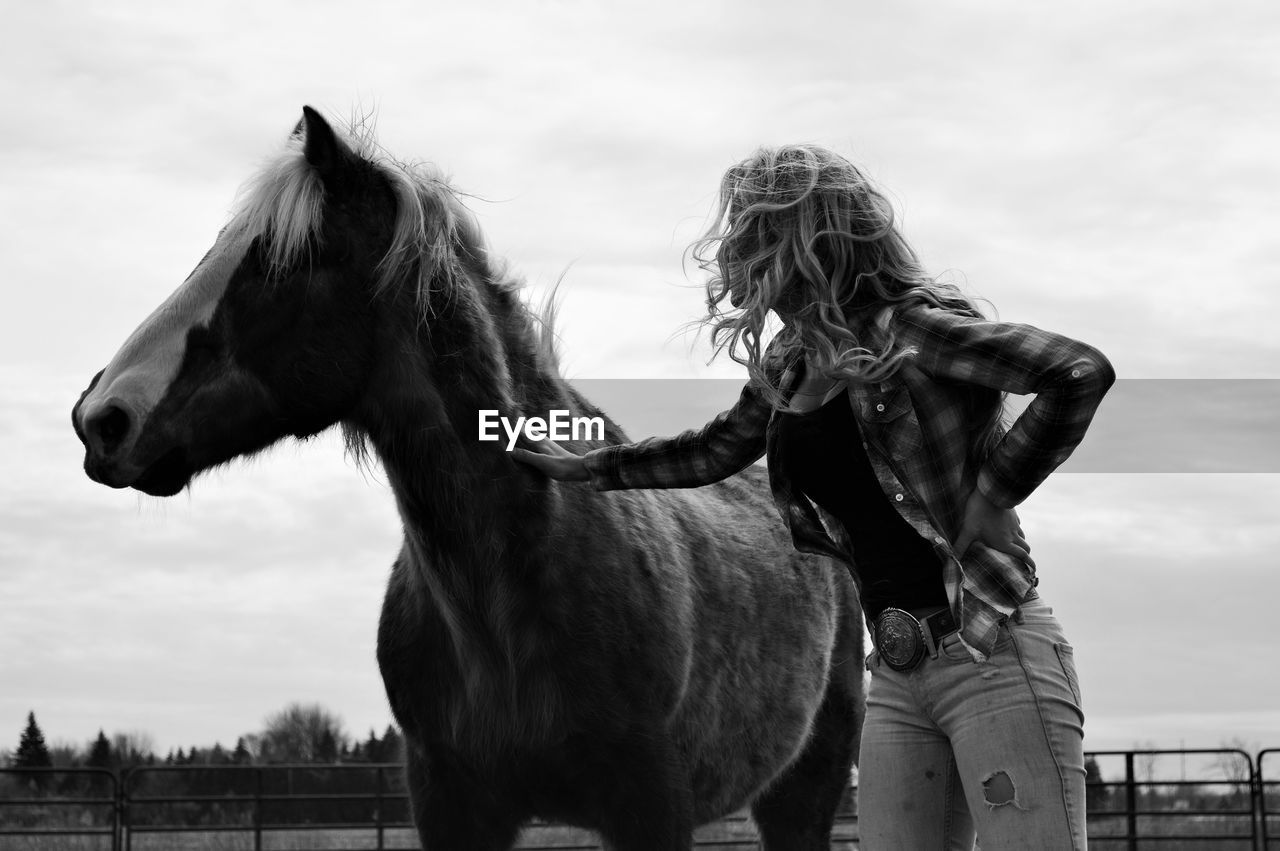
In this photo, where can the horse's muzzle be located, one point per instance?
(108, 428)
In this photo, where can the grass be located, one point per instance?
(727, 835)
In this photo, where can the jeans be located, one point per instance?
(997, 746)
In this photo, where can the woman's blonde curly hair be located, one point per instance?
(800, 229)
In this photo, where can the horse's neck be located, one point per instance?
(467, 506)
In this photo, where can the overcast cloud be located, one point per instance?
(1105, 170)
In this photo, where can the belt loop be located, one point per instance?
(929, 640)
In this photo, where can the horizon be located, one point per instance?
(350, 746)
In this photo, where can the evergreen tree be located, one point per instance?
(1096, 795)
(100, 752)
(392, 747)
(241, 755)
(372, 747)
(32, 751)
(327, 750)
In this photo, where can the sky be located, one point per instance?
(1103, 170)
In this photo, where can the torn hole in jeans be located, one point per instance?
(998, 791)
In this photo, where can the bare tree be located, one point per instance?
(1236, 768)
(132, 747)
(302, 733)
(1144, 764)
(253, 746)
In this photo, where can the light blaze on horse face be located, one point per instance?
(235, 358)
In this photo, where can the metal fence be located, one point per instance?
(1175, 799)
(1267, 794)
(1172, 800)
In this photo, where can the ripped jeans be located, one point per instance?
(955, 746)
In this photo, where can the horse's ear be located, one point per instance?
(320, 146)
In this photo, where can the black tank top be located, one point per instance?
(824, 457)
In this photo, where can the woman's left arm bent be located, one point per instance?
(1068, 377)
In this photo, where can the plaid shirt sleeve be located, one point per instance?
(722, 447)
(1068, 377)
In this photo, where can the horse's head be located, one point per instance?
(272, 334)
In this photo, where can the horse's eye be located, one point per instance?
(262, 254)
(202, 347)
(277, 269)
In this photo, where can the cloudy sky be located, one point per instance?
(1105, 170)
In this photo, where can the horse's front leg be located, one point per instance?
(646, 802)
(452, 810)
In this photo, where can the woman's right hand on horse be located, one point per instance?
(553, 460)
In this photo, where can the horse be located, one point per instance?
(636, 663)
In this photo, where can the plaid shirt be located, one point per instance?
(916, 429)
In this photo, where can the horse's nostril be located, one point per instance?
(108, 427)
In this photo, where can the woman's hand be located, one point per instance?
(554, 460)
(994, 526)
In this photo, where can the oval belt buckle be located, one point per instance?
(900, 639)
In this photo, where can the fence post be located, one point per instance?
(257, 808)
(1260, 786)
(1130, 803)
(377, 811)
(1255, 797)
(117, 808)
(123, 827)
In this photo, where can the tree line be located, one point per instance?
(299, 733)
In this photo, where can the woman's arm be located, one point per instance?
(1068, 377)
(722, 447)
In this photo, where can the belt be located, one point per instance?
(902, 639)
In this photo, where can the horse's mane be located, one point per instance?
(433, 232)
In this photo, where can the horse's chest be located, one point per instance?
(459, 688)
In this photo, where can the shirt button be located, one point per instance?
(880, 407)
(1075, 373)
(898, 497)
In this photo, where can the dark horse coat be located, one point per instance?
(631, 662)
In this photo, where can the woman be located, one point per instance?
(879, 406)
